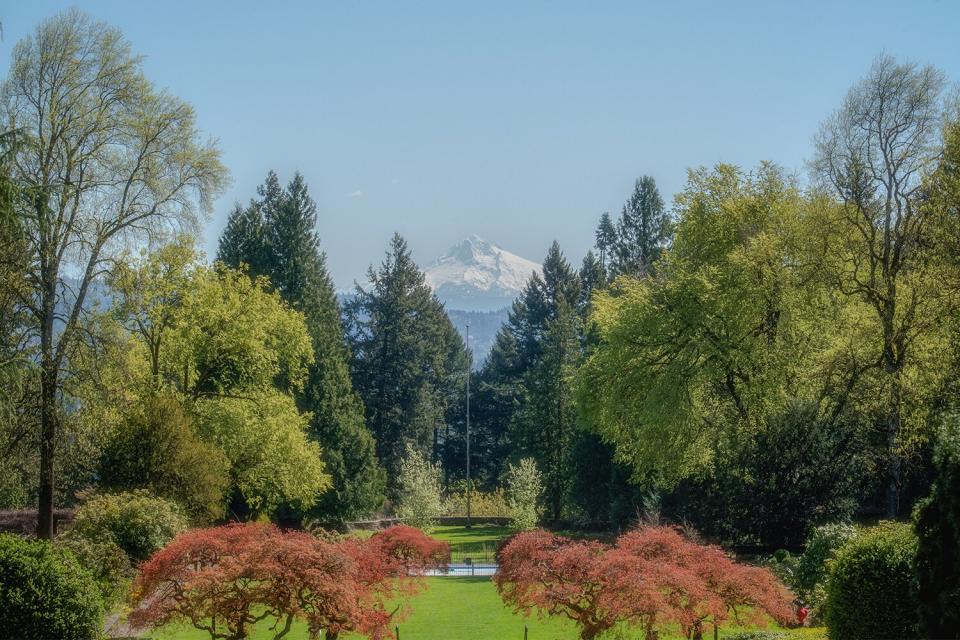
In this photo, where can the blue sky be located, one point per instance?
(518, 121)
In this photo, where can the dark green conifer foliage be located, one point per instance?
(286, 248)
(605, 238)
(642, 232)
(938, 554)
(409, 363)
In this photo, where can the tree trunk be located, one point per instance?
(893, 462)
(48, 408)
(48, 434)
(893, 367)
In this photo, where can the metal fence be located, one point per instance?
(465, 570)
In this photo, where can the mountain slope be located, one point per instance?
(478, 275)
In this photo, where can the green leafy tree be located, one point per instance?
(276, 236)
(419, 499)
(157, 447)
(111, 161)
(409, 362)
(236, 355)
(732, 329)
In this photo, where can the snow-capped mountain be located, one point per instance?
(478, 275)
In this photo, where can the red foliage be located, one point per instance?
(226, 579)
(651, 576)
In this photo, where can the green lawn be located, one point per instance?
(456, 609)
(479, 542)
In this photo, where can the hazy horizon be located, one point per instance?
(519, 124)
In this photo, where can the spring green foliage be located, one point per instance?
(716, 338)
(138, 522)
(938, 553)
(45, 593)
(235, 354)
(871, 590)
(524, 490)
(157, 447)
(419, 499)
(264, 436)
(275, 237)
(409, 362)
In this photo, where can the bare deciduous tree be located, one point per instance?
(111, 162)
(874, 154)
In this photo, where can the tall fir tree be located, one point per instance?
(286, 248)
(525, 383)
(642, 232)
(605, 238)
(408, 360)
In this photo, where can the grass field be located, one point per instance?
(479, 543)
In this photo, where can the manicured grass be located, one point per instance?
(478, 543)
(459, 609)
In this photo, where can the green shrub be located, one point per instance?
(524, 490)
(106, 563)
(938, 552)
(157, 448)
(45, 593)
(871, 589)
(136, 521)
(809, 579)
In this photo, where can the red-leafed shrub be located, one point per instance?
(226, 579)
(727, 589)
(650, 577)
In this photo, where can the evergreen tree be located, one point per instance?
(605, 238)
(524, 386)
(642, 232)
(592, 277)
(243, 241)
(408, 360)
(938, 553)
(286, 248)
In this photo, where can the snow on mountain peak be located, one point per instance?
(477, 274)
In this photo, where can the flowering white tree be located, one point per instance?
(524, 488)
(420, 502)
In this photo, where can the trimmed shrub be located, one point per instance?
(45, 593)
(136, 521)
(871, 589)
(938, 552)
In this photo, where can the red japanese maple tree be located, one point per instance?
(650, 577)
(226, 579)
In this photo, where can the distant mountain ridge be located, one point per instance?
(479, 275)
